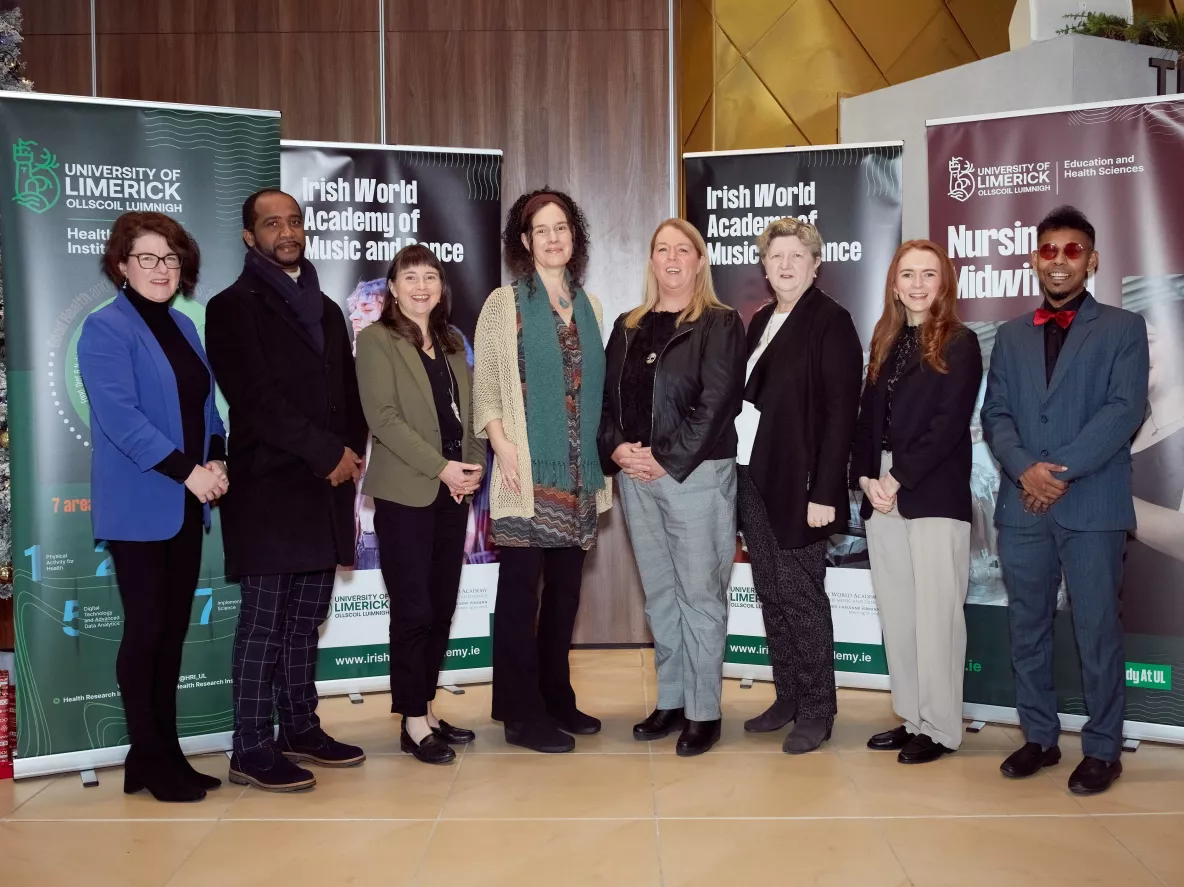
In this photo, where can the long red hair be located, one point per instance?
(938, 328)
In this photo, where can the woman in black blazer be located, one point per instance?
(800, 402)
(911, 457)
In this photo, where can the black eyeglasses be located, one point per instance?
(148, 261)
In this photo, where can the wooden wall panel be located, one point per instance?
(584, 111)
(525, 15)
(285, 72)
(58, 63)
(53, 16)
(234, 16)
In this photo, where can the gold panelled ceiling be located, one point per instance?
(770, 73)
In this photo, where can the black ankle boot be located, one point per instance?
(152, 769)
(190, 774)
(697, 737)
(776, 716)
(807, 735)
(662, 722)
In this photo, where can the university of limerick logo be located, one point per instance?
(961, 179)
(37, 186)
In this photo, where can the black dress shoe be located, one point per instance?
(269, 770)
(454, 735)
(698, 737)
(1094, 775)
(891, 740)
(575, 721)
(1029, 759)
(807, 735)
(776, 716)
(921, 749)
(318, 747)
(430, 750)
(661, 722)
(540, 736)
(153, 769)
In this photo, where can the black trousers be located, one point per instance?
(421, 551)
(156, 584)
(791, 586)
(531, 675)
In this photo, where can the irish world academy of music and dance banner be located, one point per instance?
(362, 204)
(72, 166)
(991, 180)
(852, 193)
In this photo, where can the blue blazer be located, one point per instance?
(135, 421)
(1083, 419)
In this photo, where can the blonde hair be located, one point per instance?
(790, 227)
(703, 297)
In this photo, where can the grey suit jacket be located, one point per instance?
(1083, 419)
(405, 459)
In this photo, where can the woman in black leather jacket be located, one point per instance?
(673, 383)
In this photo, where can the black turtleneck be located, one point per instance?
(193, 387)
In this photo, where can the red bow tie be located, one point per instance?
(1063, 318)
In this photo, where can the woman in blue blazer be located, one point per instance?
(156, 467)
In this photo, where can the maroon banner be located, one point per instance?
(990, 182)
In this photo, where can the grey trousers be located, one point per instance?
(920, 571)
(684, 539)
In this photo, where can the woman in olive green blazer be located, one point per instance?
(425, 464)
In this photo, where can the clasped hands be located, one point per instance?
(638, 462)
(1039, 489)
(208, 482)
(349, 467)
(881, 491)
(461, 478)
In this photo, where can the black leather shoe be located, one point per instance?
(318, 747)
(921, 749)
(1094, 775)
(697, 737)
(575, 721)
(540, 736)
(807, 735)
(430, 750)
(772, 719)
(661, 722)
(1029, 759)
(454, 735)
(891, 740)
(270, 771)
(154, 770)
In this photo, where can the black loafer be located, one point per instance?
(430, 750)
(891, 740)
(921, 749)
(1029, 759)
(661, 722)
(697, 737)
(576, 722)
(454, 735)
(1094, 775)
(540, 736)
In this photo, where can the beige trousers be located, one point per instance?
(920, 570)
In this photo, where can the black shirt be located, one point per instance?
(1054, 336)
(646, 344)
(902, 352)
(444, 393)
(193, 388)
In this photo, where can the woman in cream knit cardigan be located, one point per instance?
(538, 382)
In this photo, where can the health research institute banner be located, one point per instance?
(990, 182)
(852, 193)
(362, 204)
(71, 167)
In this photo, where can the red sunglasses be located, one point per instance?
(1072, 250)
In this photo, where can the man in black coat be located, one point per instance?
(281, 353)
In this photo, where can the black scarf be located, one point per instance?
(302, 294)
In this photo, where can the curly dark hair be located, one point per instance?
(519, 260)
(416, 255)
(129, 227)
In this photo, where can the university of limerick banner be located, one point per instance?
(991, 180)
(362, 204)
(72, 166)
(852, 193)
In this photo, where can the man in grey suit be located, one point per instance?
(1066, 391)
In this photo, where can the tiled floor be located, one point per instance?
(617, 812)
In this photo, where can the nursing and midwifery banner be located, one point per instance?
(362, 204)
(852, 193)
(70, 167)
(991, 180)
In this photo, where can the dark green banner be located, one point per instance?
(70, 168)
